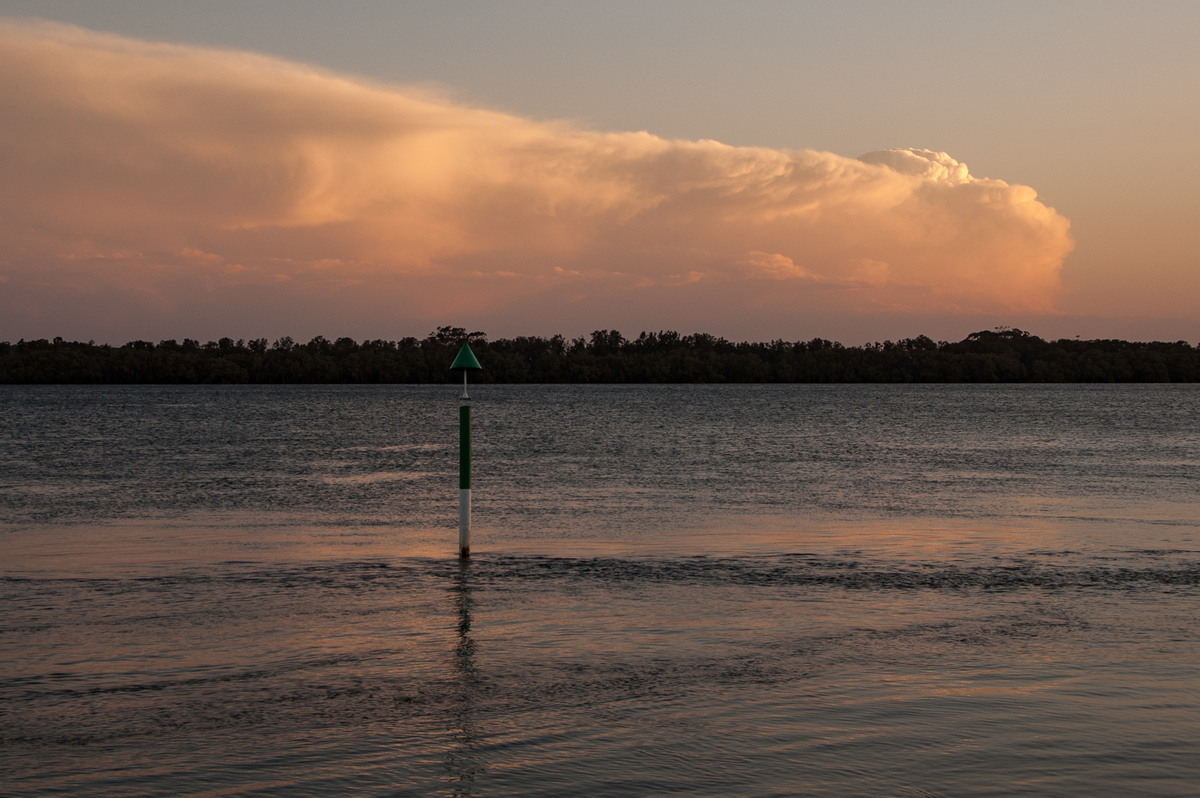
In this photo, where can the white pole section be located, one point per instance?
(464, 523)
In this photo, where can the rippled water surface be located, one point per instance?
(694, 590)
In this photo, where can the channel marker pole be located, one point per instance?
(467, 362)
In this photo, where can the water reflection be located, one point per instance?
(463, 765)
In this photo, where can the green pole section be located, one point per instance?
(464, 447)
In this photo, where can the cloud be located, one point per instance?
(179, 180)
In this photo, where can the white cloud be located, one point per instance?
(137, 169)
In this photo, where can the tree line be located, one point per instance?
(606, 356)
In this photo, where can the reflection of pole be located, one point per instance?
(465, 361)
(464, 479)
(464, 651)
(463, 759)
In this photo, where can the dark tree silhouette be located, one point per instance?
(606, 356)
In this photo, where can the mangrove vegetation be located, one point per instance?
(606, 356)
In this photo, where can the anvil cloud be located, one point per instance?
(156, 181)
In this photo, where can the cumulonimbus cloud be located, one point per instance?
(160, 173)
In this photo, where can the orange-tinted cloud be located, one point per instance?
(165, 177)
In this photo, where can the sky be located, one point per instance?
(850, 170)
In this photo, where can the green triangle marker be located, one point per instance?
(466, 359)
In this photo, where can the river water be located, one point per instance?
(693, 590)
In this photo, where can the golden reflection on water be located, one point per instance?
(120, 547)
(536, 675)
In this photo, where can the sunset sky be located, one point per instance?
(850, 170)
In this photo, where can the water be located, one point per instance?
(693, 590)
